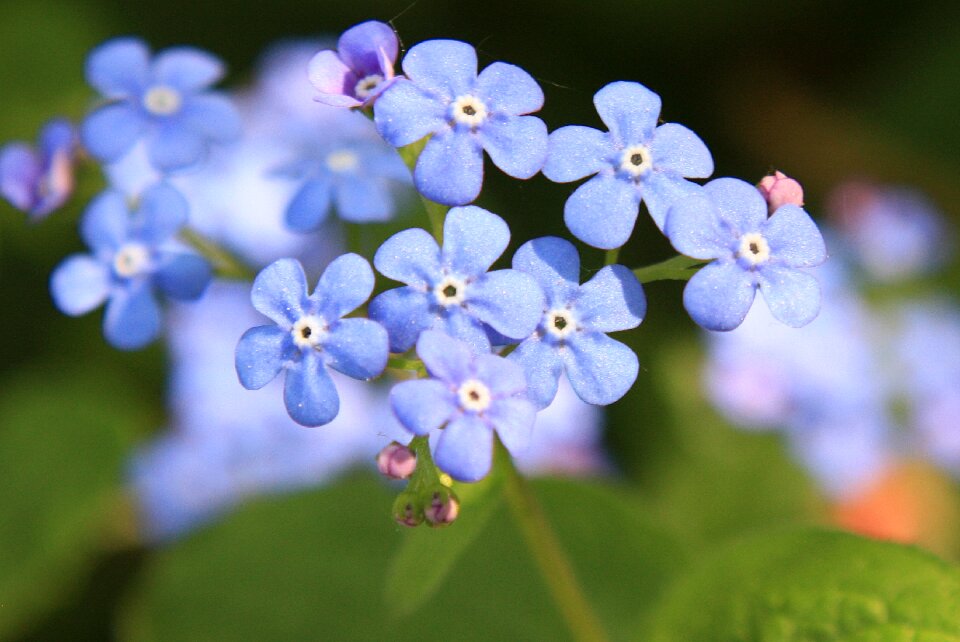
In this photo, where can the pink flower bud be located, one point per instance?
(779, 189)
(396, 461)
(407, 509)
(443, 509)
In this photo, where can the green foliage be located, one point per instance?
(812, 585)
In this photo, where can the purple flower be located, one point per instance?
(361, 68)
(132, 256)
(450, 289)
(634, 161)
(39, 181)
(466, 114)
(728, 223)
(470, 396)
(164, 101)
(571, 335)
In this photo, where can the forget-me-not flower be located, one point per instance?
(571, 335)
(39, 181)
(311, 335)
(450, 289)
(133, 255)
(164, 100)
(636, 160)
(728, 223)
(360, 69)
(472, 396)
(443, 96)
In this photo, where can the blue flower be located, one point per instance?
(40, 181)
(634, 161)
(571, 335)
(470, 396)
(360, 69)
(132, 256)
(310, 335)
(442, 95)
(164, 101)
(729, 223)
(450, 289)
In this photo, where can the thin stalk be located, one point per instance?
(678, 268)
(225, 264)
(612, 256)
(436, 213)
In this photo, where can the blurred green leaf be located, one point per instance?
(812, 585)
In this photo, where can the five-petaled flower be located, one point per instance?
(361, 68)
(39, 181)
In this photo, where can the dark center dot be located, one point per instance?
(755, 248)
(559, 322)
(474, 395)
(637, 159)
(306, 332)
(450, 291)
(469, 110)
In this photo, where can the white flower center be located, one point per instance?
(754, 248)
(469, 110)
(162, 100)
(130, 260)
(636, 160)
(366, 85)
(561, 323)
(308, 331)
(342, 160)
(474, 395)
(450, 291)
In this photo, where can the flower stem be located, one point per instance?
(225, 264)
(549, 556)
(612, 256)
(678, 268)
(435, 211)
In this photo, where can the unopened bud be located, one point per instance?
(396, 461)
(407, 509)
(779, 189)
(443, 509)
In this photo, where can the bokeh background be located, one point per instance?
(826, 91)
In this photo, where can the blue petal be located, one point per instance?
(212, 115)
(309, 207)
(661, 191)
(79, 284)
(513, 419)
(450, 168)
(612, 300)
(422, 406)
(502, 377)
(357, 347)
(175, 146)
(187, 69)
(344, 286)
(508, 89)
(694, 228)
(676, 148)
(555, 264)
(19, 175)
(361, 200)
(461, 324)
(719, 296)
(308, 392)
(465, 449)
(279, 292)
(106, 223)
(445, 67)
(132, 319)
(405, 113)
(542, 366)
(163, 211)
(629, 110)
(411, 256)
(792, 296)
(119, 67)
(575, 152)
(517, 145)
(333, 79)
(602, 211)
(183, 276)
(110, 131)
(740, 204)
(57, 135)
(405, 312)
(365, 45)
(261, 355)
(445, 358)
(794, 238)
(473, 239)
(600, 369)
(509, 301)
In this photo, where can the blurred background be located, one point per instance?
(856, 100)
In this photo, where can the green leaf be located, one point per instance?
(812, 585)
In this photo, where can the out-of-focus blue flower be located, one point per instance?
(310, 335)
(572, 336)
(133, 255)
(636, 160)
(728, 223)
(360, 69)
(164, 101)
(39, 181)
(470, 396)
(443, 97)
(450, 289)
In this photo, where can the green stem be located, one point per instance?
(549, 556)
(225, 264)
(435, 212)
(678, 268)
(401, 363)
(425, 476)
(612, 256)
